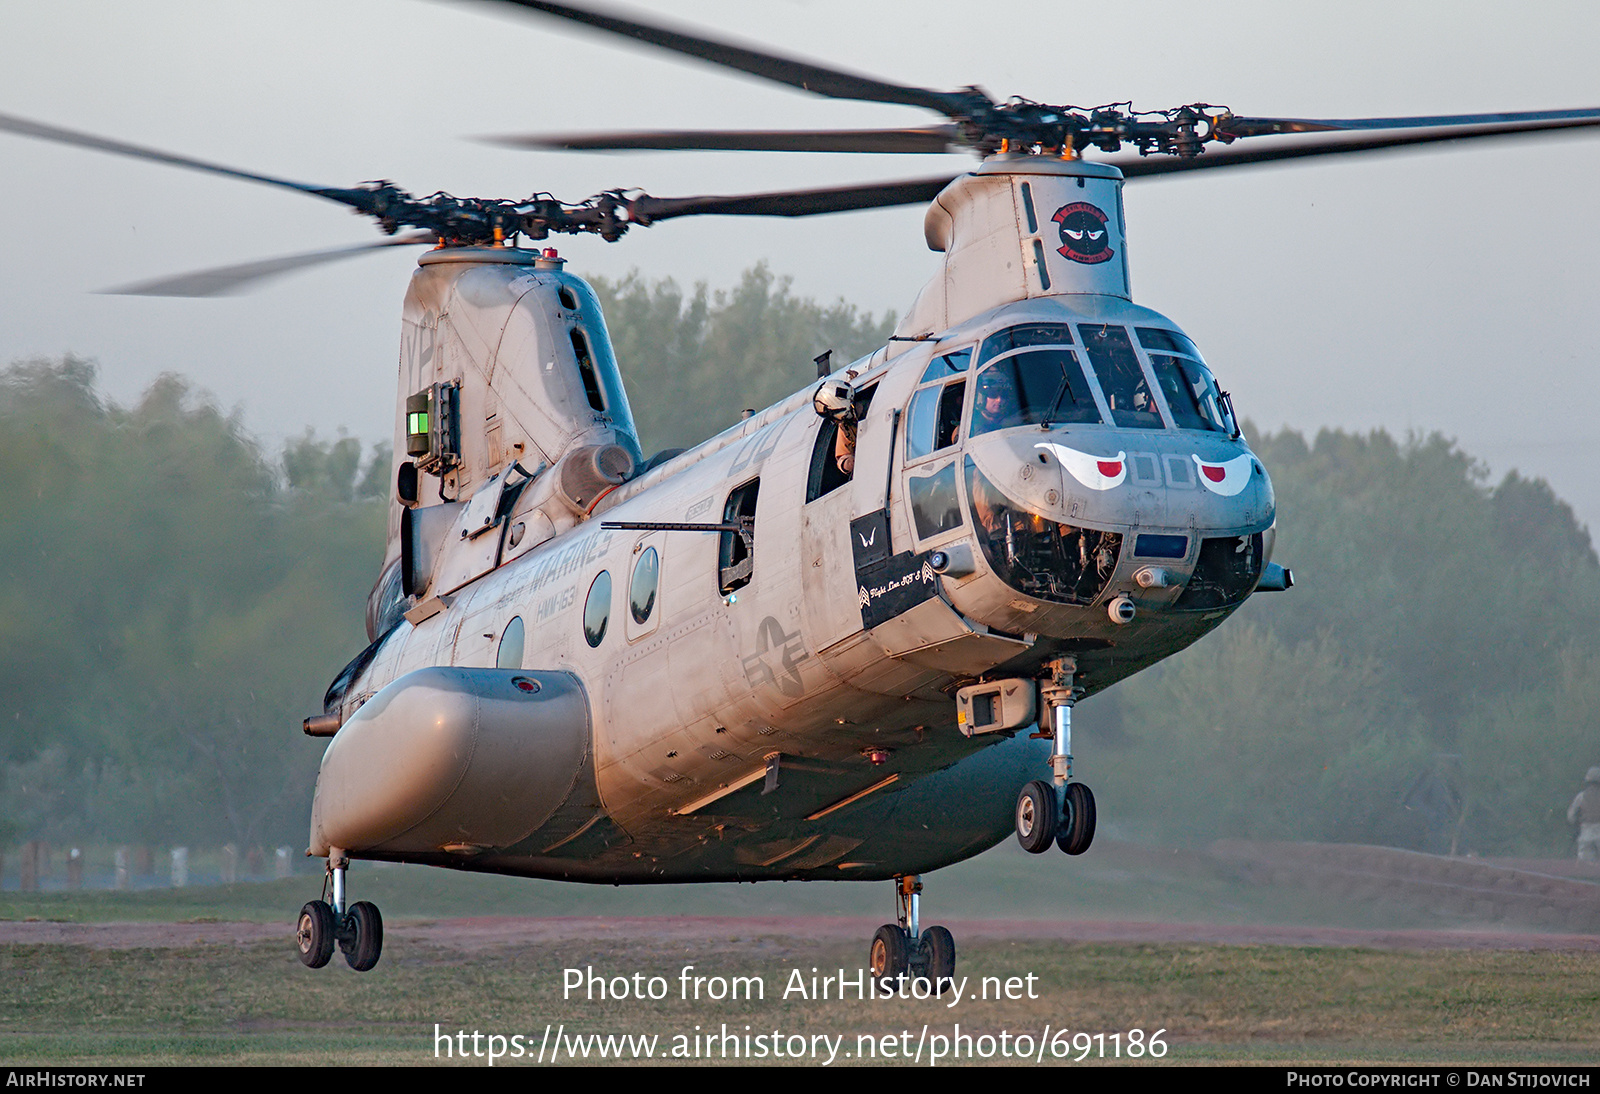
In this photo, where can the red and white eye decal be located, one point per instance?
(1227, 478)
(1095, 472)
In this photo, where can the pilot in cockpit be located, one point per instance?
(996, 406)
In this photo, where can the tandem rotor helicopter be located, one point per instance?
(843, 638)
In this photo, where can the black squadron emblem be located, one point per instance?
(1084, 237)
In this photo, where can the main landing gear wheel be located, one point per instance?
(891, 956)
(1077, 820)
(938, 957)
(1037, 816)
(314, 934)
(362, 937)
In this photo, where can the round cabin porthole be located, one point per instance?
(642, 593)
(510, 653)
(597, 609)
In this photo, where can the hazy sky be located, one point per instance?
(1442, 290)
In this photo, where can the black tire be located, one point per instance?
(314, 934)
(939, 957)
(1037, 816)
(362, 940)
(1077, 821)
(890, 956)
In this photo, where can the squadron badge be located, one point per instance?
(1084, 237)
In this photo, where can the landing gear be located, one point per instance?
(1077, 820)
(315, 934)
(891, 953)
(358, 931)
(898, 951)
(362, 938)
(939, 955)
(1062, 813)
(1037, 816)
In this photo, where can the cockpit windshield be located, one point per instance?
(1121, 376)
(1189, 388)
(1030, 387)
(1039, 374)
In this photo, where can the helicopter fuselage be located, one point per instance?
(1051, 477)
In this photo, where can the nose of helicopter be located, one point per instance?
(1129, 480)
(1076, 515)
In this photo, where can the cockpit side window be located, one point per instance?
(933, 421)
(1122, 379)
(1030, 387)
(947, 365)
(1191, 393)
(947, 428)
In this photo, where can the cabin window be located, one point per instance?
(736, 552)
(642, 590)
(509, 655)
(597, 609)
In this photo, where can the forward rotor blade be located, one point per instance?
(1337, 143)
(805, 75)
(930, 139)
(227, 280)
(22, 127)
(790, 203)
(1257, 127)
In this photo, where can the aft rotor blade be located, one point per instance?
(226, 280)
(930, 139)
(1337, 143)
(22, 127)
(833, 83)
(791, 203)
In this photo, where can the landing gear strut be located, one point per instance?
(357, 929)
(1062, 813)
(899, 951)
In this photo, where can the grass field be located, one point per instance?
(1116, 881)
(254, 1003)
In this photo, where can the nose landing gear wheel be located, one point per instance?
(362, 939)
(1037, 816)
(1077, 821)
(891, 956)
(314, 934)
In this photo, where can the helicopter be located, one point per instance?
(843, 638)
